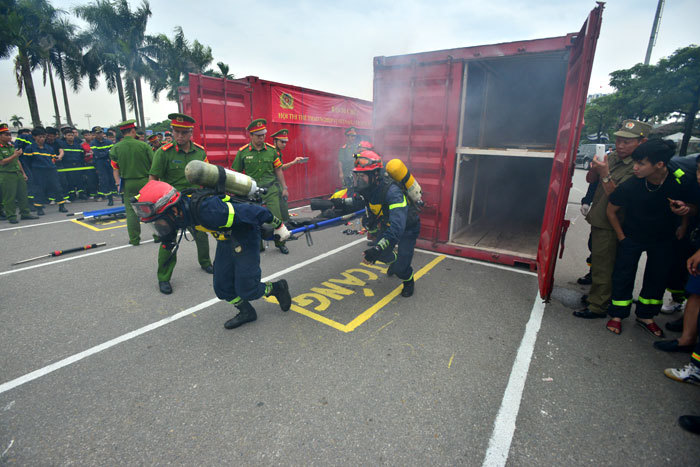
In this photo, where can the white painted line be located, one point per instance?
(481, 263)
(35, 225)
(504, 426)
(300, 207)
(70, 258)
(150, 327)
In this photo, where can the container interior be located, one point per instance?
(499, 203)
(514, 102)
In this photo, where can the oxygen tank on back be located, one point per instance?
(398, 171)
(202, 173)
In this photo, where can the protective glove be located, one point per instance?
(372, 254)
(267, 231)
(281, 233)
(585, 208)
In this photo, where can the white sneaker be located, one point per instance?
(52, 202)
(688, 374)
(672, 307)
(68, 201)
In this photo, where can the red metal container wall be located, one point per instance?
(223, 132)
(415, 120)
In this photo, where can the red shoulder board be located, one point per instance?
(166, 147)
(269, 145)
(198, 145)
(244, 147)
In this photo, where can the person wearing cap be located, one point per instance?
(53, 140)
(616, 168)
(13, 180)
(280, 139)
(131, 160)
(90, 174)
(168, 166)
(167, 137)
(44, 171)
(154, 141)
(346, 157)
(261, 162)
(24, 138)
(100, 147)
(73, 165)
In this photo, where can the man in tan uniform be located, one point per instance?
(615, 169)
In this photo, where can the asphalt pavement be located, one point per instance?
(98, 368)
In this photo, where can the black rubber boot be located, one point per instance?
(165, 287)
(408, 287)
(246, 314)
(690, 423)
(280, 290)
(62, 208)
(40, 210)
(110, 201)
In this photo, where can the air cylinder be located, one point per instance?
(202, 173)
(398, 171)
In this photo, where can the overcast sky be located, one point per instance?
(330, 45)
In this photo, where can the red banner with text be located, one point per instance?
(292, 106)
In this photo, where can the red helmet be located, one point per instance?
(365, 145)
(367, 161)
(154, 199)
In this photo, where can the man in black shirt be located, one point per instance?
(651, 204)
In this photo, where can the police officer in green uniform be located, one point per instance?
(261, 162)
(346, 157)
(131, 161)
(615, 169)
(13, 180)
(279, 140)
(168, 166)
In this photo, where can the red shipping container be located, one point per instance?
(490, 132)
(316, 122)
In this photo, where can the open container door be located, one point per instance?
(222, 110)
(578, 75)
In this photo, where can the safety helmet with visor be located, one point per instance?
(367, 163)
(153, 205)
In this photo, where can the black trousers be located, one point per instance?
(47, 186)
(678, 275)
(659, 261)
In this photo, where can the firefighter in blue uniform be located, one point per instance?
(236, 226)
(73, 162)
(24, 138)
(100, 159)
(391, 214)
(44, 171)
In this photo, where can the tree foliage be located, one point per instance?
(651, 93)
(113, 46)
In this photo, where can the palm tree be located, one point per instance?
(25, 28)
(137, 64)
(103, 54)
(66, 59)
(174, 59)
(223, 71)
(16, 121)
